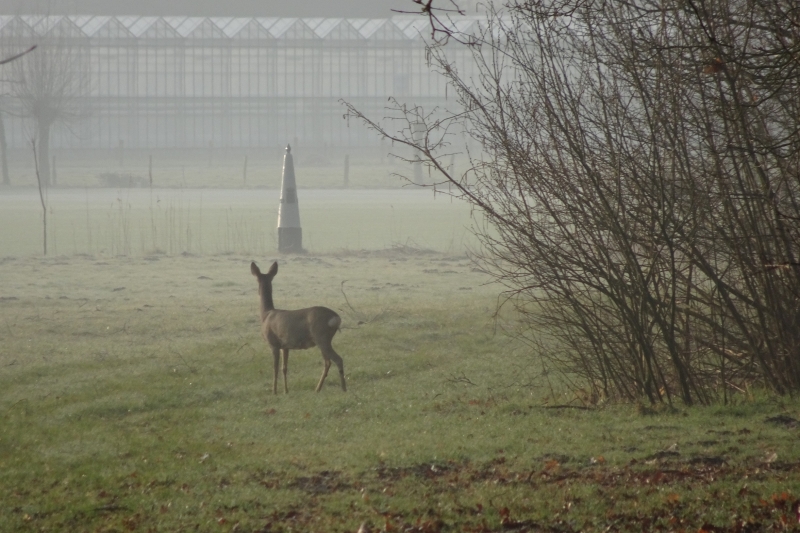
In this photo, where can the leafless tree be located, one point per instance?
(638, 179)
(3, 143)
(48, 83)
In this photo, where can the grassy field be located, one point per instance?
(135, 396)
(135, 387)
(141, 222)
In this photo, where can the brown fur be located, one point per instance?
(296, 330)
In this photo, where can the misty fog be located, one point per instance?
(208, 98)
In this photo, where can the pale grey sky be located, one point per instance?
(244, 8)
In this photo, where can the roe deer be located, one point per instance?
(296, 330)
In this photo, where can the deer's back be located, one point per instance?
(299, 329)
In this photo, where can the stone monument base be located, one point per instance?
(290, 240)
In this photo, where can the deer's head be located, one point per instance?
(265, 285)
(264, 277)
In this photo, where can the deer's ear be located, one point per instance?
(273, 269)
(254, 269)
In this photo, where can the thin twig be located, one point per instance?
(341, 287)
(462, 379)
(242, 346)
(191, 369)
(362, 318)
(437, 26)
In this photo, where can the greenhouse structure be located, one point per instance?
(194, 82)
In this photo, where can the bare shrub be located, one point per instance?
(637, 177)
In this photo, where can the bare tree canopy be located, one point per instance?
(639, 178)
(3, 142)
(48, 82)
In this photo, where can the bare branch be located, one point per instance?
(440, 30)
(17, 56)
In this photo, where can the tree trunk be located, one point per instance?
(43, 144)
(4, 152)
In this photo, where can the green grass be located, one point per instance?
(135, 396)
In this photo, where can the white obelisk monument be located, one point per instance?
(290, 234)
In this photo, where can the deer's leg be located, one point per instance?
(326, 367)
(285, 368)
(330, 355)
(339, 363)
(276, 357)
